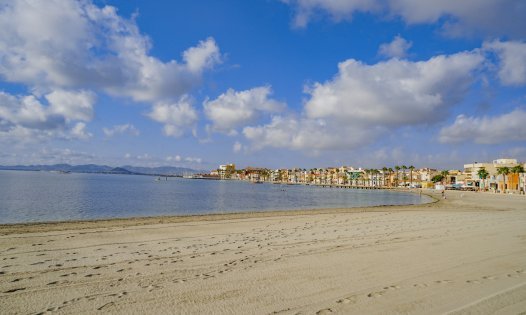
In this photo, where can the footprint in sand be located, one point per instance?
(392, 287)
(443, 281)
(14, 290)
(376, 294)
(92, 274)
(347, 300)
(489, 278)
(324, 311)
(119, 295)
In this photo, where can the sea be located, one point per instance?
(29, 196)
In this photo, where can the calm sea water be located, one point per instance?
(44, 196)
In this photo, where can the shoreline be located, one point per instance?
(46, 226)
(462, 254)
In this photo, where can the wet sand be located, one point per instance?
(465, 254)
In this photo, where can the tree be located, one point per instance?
(404, 177)
(517, 169)
(390, 173)
(437, 178)
(503, 171)
(483, 174)
(384, 170)
(397, 168)
(375, 178)
(411, 168)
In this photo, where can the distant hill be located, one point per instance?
(119, 170)
(164, 170)
(93, 168)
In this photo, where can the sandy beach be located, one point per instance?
(465, 254)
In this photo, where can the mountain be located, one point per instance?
(161, 170)
(119, 170)
(94, 168)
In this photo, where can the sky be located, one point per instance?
(268, 83)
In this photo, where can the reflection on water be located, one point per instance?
(44, 196)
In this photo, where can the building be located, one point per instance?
(226, 171)
(494, 181)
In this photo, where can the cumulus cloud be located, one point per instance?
(508, 127)
(394, 92)
(99, 49)
(30, 118)
(512, 61)
(176, 116)
(234, 109)
(53, 46)
(337, 9)
(121, 129)
(364, 101)
(79, 131)
(309, 134)
(458, 18)
(72, 105)
(396, 49)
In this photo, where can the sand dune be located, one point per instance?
(465, 254)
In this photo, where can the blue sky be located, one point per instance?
(297, 83)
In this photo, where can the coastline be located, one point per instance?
(46, 226)
(465, 253)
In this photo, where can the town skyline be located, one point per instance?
(276, 84)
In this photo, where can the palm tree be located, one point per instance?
(366, 177)
(483, 174)
(390, 173)
(375, 172)
(384, 170)
(404, 177)
(503, 171)
(411, 168)
(397, 168)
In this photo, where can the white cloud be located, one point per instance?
(72, 105)
(512, 61)
(237, 147)
(309, 134)
(203, 56)
(193, 160)
(121, 129)
(176, 158)
(396, 49)
(176, 117)
(338, 9)
(362, 102)
(507, 127)
(79, 131)
(27, 118)
(458, 18)
(235, 109)
(394, 92)
(99, 50)
(56, 46)
(144, 156)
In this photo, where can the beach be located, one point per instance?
(464, 254)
